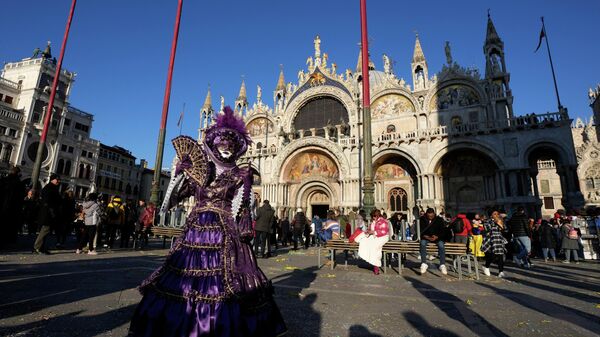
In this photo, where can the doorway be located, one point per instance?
(320, 210)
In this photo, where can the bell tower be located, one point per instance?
(497, 77)
(420, 73)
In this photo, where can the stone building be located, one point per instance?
(450, 141)
(118, 173)
(25, 88)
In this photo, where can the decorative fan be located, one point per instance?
(200, 169)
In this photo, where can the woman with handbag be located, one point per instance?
(494, 244)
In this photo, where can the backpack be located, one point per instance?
(572, 234)
(457, 226)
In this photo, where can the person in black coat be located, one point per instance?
(49, 213)
(263, 226)
(12, 194)
(548, 240)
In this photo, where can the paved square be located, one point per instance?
(65, 294)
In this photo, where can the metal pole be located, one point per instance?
(35, 174)
(165, 112)
(551, 66)
(368, 187)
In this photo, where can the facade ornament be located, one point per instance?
(317, 42)
(258, 94)
(300, 77)
(310, 63)
(448, 53)
(387, 64)
(222, 103)
(333, 69)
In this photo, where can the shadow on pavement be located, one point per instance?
(557, 311)
(296, 306)
(38, 286)
(455, 309)
(419, 323)
(361, 331)
(72, 324)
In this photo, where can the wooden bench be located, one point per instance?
(166, 232)
(459, 250)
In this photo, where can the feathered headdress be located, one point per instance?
(231, 128)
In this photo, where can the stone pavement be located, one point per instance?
(65, 294)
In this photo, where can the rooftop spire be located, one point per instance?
(207, 100)
(418, 55)
(491, 35)
(359, 62)
(281, 81)
(242, 95)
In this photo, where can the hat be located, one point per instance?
(299, 210)
(54, 176)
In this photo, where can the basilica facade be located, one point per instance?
(450, 140)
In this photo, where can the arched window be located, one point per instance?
(319, 112)
(135, 190)
(398, 200)
(60, 166)
(81, 171)
(7, 153)
(67, 168)
(88, 171)
(99, 181)
(390, 128)
(106, 182)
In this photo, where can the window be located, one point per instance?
(106, 182)
(81, 169)
(456, 120)
(83, 153)
(7, 153)
(99, 181)
(100, 166)
(67, 122)
(113, 184)
(120, 186)
(390, 128)
(68, 167)
(545, 186)
(548, 202)
(63, 148)
(82, 127)
(2, 130)
(8, 99)
(71, 149)
(88, 171)
(317, 113)
(12, 132)
(398, 200)
(90, 155)
(60, 166)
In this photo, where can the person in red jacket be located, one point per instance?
(463, 237)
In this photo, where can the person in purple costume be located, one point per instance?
(210, 283)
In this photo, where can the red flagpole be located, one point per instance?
(42, 144)
(368, 186)
(165, 111)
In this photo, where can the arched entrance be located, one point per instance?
(395, 178)
(468, 181)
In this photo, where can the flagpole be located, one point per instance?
(368, 186)
(551, 66)
(165, 112)
(35, 174)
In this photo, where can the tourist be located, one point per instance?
(48, 215)
(12, 194)
(66, 217)
(570, 241)
(91, 210)
(128, 227)
(147, 220)
(275, 233)
(318, 224)
(139, 226)
(30, 210)
(461, 236)
(79, 223)
(285, 232)
(331, 228)
(210, 283)
(432, 231)
(548, 240)
(519, 226)
(371, 242)
(264, 221)
(115, 214)
(494, 244)
(299, 223)
(345, 227)
(477, 237)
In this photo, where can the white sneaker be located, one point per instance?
(501, 274)
(78, 251)
(486, 271)
(431, 257)
(92, 252)
(424, 267)
(443, 269)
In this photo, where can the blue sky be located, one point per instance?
(120, 50)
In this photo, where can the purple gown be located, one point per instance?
(210, 283)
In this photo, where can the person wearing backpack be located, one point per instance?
(570, 241)
(115, 213)
(462, 229)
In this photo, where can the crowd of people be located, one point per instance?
(493, 238)
(97, 221)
